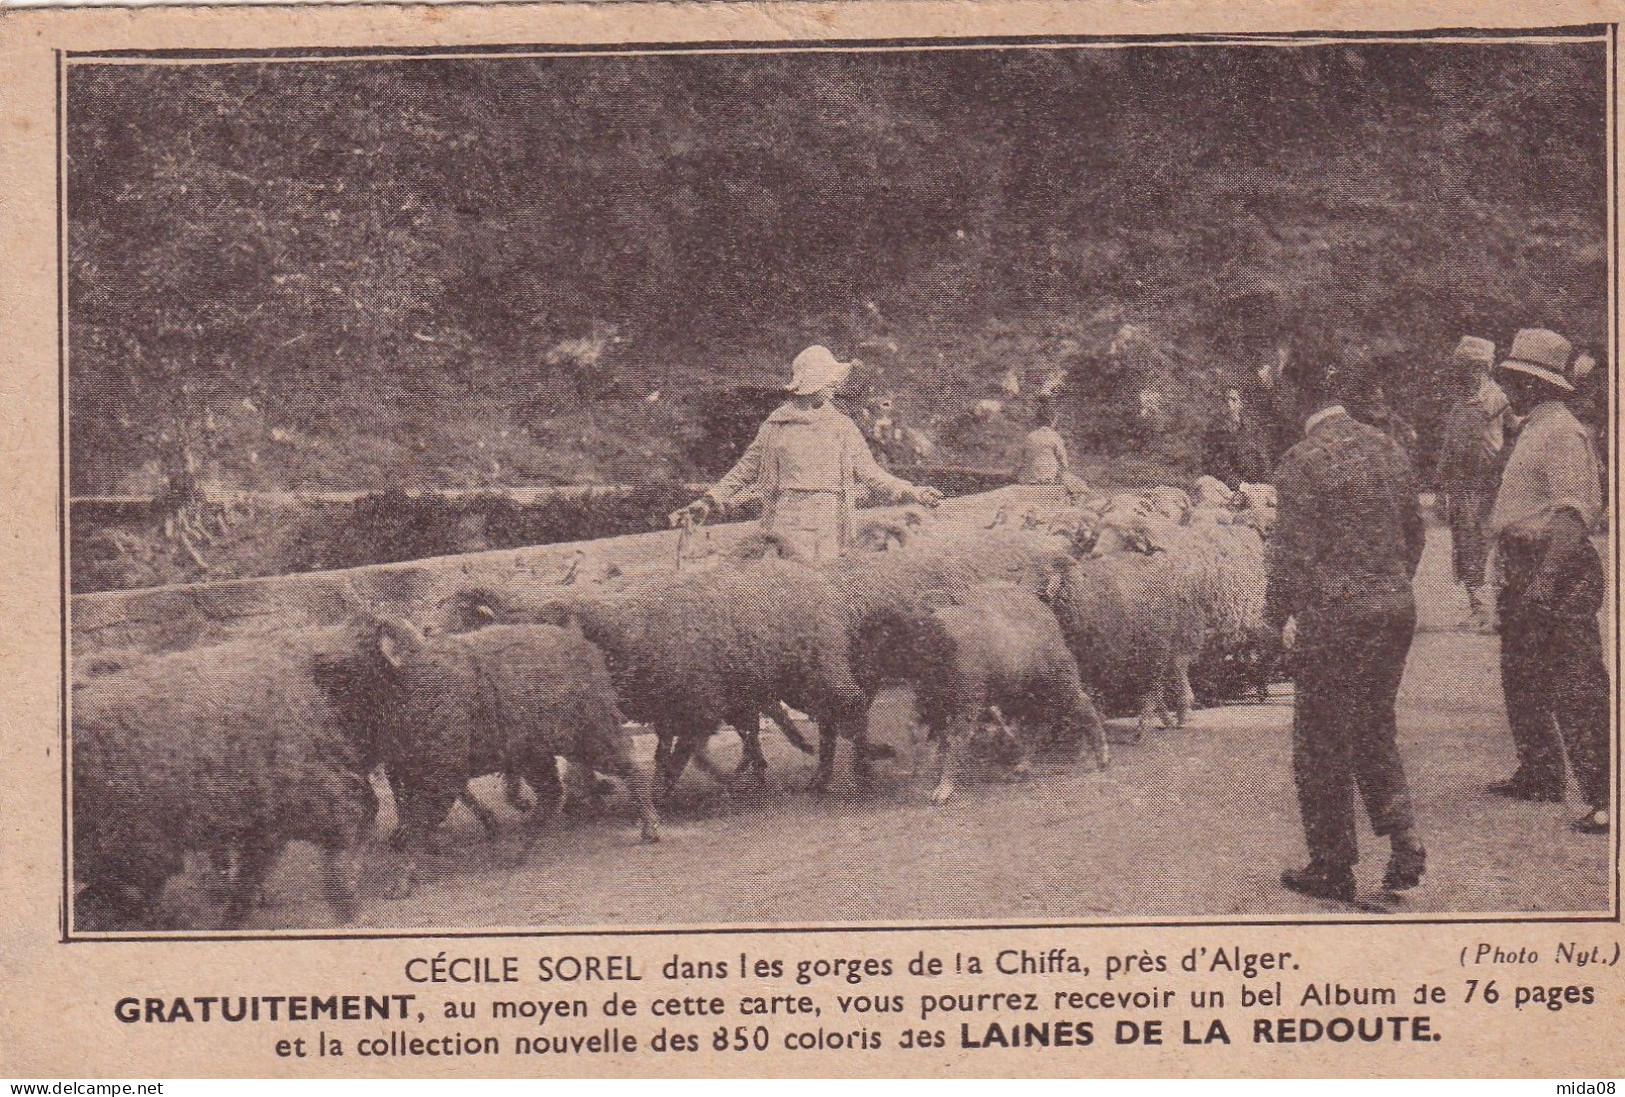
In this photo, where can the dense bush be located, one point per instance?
(381, 273)
(385, 527)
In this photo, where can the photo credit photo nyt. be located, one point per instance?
(776, 539)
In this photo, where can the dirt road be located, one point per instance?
(1191, 822)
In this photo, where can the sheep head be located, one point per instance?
(1084, 535)
(1210, 491)
(1171, 503)
(761, 544)
(1138, 533)
(396, 639)
(1256, 497)
(1055, 578)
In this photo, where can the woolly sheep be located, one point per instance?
(691, 652)
(446, 708)
(1136, 617)
(477, 607)
(230, 752)
(1255, 505)
(1076, 526)
(897, 585)
(996, 648)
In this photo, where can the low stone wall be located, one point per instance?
(179, 617)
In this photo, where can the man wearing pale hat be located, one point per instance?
(1469, 469)
(807, 462)
(1552, 586)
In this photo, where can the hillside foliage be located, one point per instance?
(455, 273)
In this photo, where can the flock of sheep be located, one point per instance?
(1027, 629)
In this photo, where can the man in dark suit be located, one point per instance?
(1347, 544)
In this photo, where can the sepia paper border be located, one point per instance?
(38, 46)
(67, 60)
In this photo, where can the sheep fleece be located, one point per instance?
(217, 749)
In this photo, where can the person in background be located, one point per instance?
(883, 428)
(1469, 468)
(1275, 404)
(808, 461)
(1043, 453)
(1347, 543)
(1382, 415)
(1552, 586)
(1235, 451)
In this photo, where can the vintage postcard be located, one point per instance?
(847, 539)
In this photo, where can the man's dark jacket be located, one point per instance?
(1350, 530)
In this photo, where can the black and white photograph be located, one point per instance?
(1014, 481)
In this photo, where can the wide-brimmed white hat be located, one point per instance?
(816, 369)
(1541, 353)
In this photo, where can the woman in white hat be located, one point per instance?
(807, 462)
(1552, 668)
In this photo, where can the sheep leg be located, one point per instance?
(640, 782)
(371, 805)
(253, 865)
(697, 749)
(340, 866)
(1148, 709)
(550, 795)
(827, 738)
(513, 791)
(397, 792)
(665, 749)
(751, 758)
(862, 768)
(787, 724)
(1013, 740)
(1084, 717)
(487, 820)
(682, 750)
(1184, 696)
(578, 786)
(425, 806)
(406, 809)
(951, 738)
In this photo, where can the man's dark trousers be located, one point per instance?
(1554, 677)
(1349, 659)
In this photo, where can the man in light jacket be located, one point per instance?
(807, 463)
(1552, 587)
